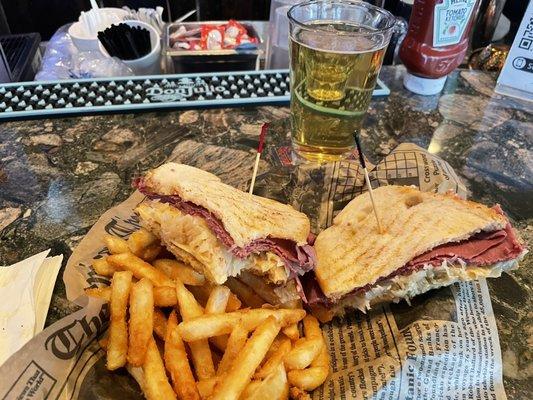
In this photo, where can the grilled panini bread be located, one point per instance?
(245, 217)
(220, 230)
(429, 240)
(189, 238)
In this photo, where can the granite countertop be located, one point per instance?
(57, 176)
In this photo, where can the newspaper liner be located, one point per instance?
(445, 345)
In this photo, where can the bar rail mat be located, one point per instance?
(128, 94)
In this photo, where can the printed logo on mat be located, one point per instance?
(182, 90)
(33, 380)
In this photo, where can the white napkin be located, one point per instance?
(25, 292)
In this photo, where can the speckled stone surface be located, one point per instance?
(58, 176)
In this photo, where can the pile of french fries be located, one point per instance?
(182, 337)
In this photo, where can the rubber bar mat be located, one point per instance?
(112, 95)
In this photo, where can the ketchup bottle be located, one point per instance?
(436, 42)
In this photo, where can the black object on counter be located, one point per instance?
(487, 17)
(126, 42)
(21, 57)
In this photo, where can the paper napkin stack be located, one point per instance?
(25, 293)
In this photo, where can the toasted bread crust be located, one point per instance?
(352, 253)
(245, 217)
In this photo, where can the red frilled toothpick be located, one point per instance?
(264, 129)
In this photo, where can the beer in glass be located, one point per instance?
(336, 51)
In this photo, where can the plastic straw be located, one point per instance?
(126, 42)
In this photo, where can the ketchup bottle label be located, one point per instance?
(451, 19)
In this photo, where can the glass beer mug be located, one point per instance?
(336, 52)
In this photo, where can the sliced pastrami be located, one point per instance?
(484, 248)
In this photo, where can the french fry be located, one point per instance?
(275, 359)
(177, 362)
(202, 359)
(303, 353)
(189, 307)
(140, 240)
(216, 304)
(310, 378)
(245, 293)
(239, 375)
(155, 385)
(177, 270)
(207, 386)
(160, 323)
(139, 268)
(312, 330)
(165, 296)
(275, 345)
(312, 327)
(292, 332)
(117, 346)
(250, 389)
(103, 343)
(274, 387)
(201, 293)
(116, 245)
(211, 325)
(141, 321)
(236, 342)
(322, 360)
(102, 267)
(151, 252)
(200, 351)
(103, 293)
(218, 300)
(298, 394)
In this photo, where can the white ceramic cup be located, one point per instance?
(85, 42)
(150, 63)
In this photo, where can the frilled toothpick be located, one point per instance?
(264, 129)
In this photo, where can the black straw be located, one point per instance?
(367, 180)
(359, 149)
(126, 42)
